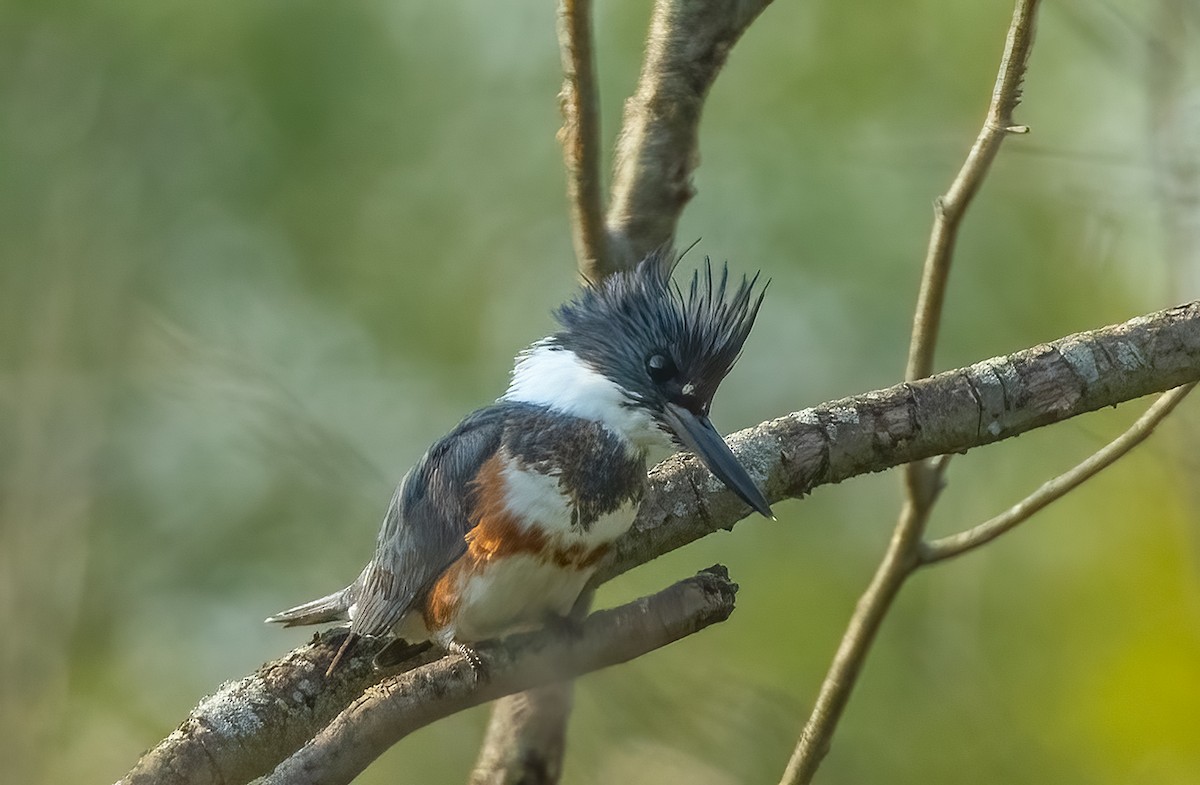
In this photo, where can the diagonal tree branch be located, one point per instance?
(259, 720)
(247, 726)
(426, 691)
(951, 412)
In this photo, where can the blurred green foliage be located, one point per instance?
(256, 256)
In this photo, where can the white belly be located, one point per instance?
(515, 593)
(521, 591)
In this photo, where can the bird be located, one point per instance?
(501, 523)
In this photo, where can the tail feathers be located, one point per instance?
(332, 607)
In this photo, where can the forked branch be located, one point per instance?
(1053, 490)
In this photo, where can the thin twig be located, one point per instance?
(950, 208)
(391, 710)
(922, 480)
(868, 615)
(580, 138)
(958, 544)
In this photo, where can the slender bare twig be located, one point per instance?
(580, 137)
(922, 480)
(656, 153)
(392, 709)
(1052, 490)
(950, 208)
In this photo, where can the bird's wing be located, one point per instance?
(426, 523)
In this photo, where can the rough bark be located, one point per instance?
(951, 412)
(392, 709)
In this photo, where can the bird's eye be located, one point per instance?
(661, 368)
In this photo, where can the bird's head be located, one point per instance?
(658, 353)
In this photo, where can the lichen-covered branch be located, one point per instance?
(657, 151)
(392, 709)
(247, 726)
(251, 724)
(951, 412)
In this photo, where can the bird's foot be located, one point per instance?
(478, 667)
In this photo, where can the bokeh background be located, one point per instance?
(256, 256)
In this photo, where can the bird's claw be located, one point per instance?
(478, 667)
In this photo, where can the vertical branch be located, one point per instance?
(580, 138)
(688, 43)
(526, 738)
(922, 480)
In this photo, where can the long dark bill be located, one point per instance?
(699, 436)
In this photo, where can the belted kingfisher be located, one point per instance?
(503, 521)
